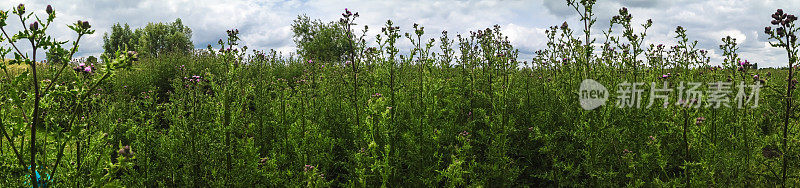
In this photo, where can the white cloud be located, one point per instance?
(526, 39)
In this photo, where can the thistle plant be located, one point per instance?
(633, 48)
(783, 36)
(584, 9)
(226, 85)
(421, 53)
(34, 31)
(390, 46)
(347, 21)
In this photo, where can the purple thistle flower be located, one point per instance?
(626, 151)
(306, 168)
(699, 120)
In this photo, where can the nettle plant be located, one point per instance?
(25, 106)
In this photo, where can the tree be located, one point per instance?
(121, 38)
(160, 38)
(151, 41)
(321, 41)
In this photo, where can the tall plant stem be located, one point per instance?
(788, 101)
(226, 123)
(686, 144)
(36, 118)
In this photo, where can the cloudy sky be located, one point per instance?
(266, 24)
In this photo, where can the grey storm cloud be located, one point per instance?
(641, 3)
(558, 8)
(267, 24)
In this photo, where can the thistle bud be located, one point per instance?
(49, 9)
(85, 25)
(768, 30)
(779, 12)
(133, 55)
(21, 9)
(121, 152)
(564, 25)
(774, 22)
(34, 26)
(125, 151)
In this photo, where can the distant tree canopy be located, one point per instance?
(121, 38)
(151, 41)
(319, 40)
